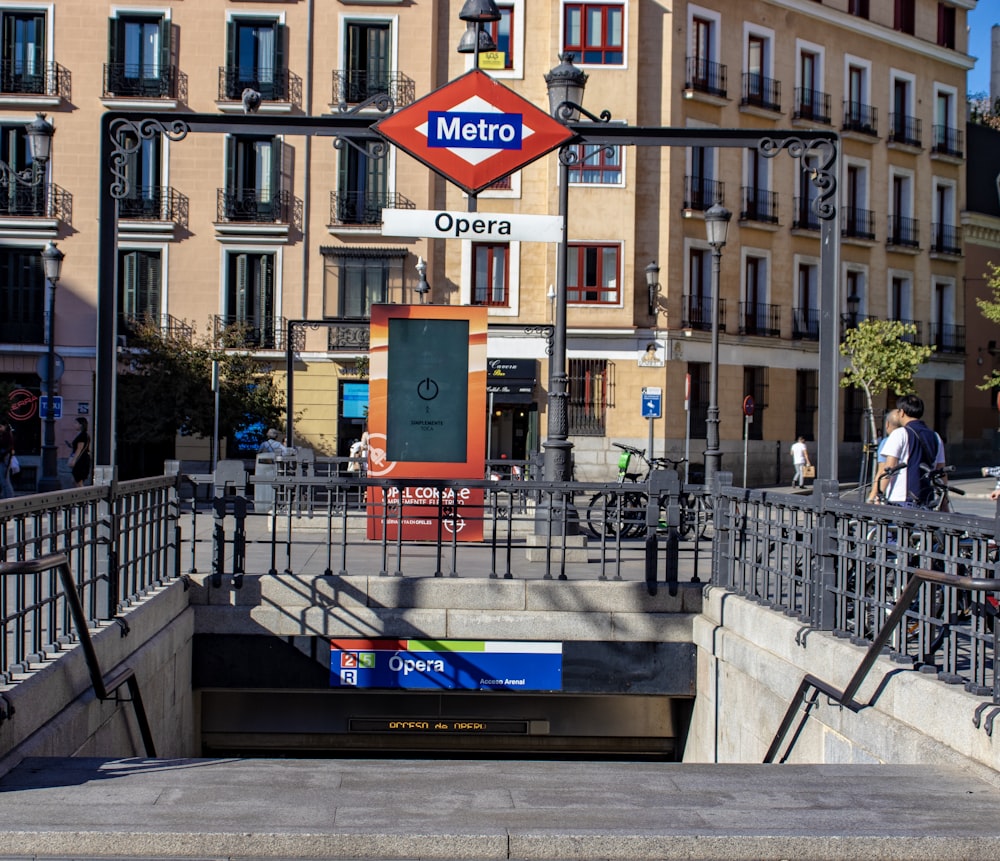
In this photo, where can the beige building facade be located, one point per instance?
(260, 230)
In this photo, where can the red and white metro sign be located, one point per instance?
(473, 131)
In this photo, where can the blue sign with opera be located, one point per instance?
(465, 665)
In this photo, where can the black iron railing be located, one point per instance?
(274, 85)
(804, 218)
(154, 203)
(760, 318)
(759, 204)
(914, 335)
(903, 231)
(134, 80)
(811, 105)
(761, 92)
(701, 193)
(904, 129)
(166, 324)
(946, 239)
(45, 200)
(805, 324)
(253, 207)
(704, 76)
(859, 117)
(356, 207)
(947, 141)
(857, 223)
(236, 332)
(947, 337)
(697, 313)
(352, 86)
(38, 79)
(350, 335)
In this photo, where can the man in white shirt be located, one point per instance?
(912, 443)
(800, 459)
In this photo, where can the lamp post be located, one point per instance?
(716, 226)
(423, 288)
(39, 133)
(52, 259)
(653, 286)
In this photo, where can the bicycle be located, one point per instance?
(627, 508)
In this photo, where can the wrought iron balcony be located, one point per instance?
(167, 325)
(761, 92)
(857, 223)
(701, 193)
(915, 336)
(759, 318)
(133, 80)
(347, 335)
(804, 218)
(859, 117)
(44, 79)
(946, 239)
(352, 87)
(851, 320)
(697, 313)
(704, 76)
(355, 207)
(948, 338)
(947, 141)
(811, 105)
(904, 129)
(236, 333)
(903, 231)
(154, 203)
(805, 324)
(251, 207)
(759, 204)
(46, 200)
(274, 85)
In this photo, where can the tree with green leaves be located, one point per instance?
(882, 356)
(165, 389)
(990, 309)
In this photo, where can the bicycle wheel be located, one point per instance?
(633, 514)
(600, 512)
(609, 512)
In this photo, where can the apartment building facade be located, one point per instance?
(257, 231)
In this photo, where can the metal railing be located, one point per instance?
(904, 129)
(760, 318)
(234, 332)
(166, 324)
(354, 86)
(812, 105)
(903, 231)
(362, 207)
(46, 200)
(947, 141)
(859, 117)
(759, 204)
(947, 337)
(761, 92)
(34, 79)
(274, 85)
(857, 223)
(803, 217)
(805, 324)
(946, 239)
(136, 80)
(704, 76)
(701, 193)
(696, 313)
(250, 206)
(154, 203)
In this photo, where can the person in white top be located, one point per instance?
(912, 443)
(800, 460)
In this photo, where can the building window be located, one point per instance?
(142, 168)
(591, 386)
(502, 32)
(139, 283)
(22, 296)
(697, 312)
(253, 181)
(17, 199)
(854, 415)
(592, 274)
(805, 322)
(855, 298)
(596, 165)
(354, 280)
(249, 320)
(806, 399)
(858, 8)
(22, 59)
(490, 275)
(362, 188)
(904, 17)
(139, 57)
(755, 384)
(946, 26)
(700, 383)
(594, 32)
(368, 52)
(255, 58)
(942, 407)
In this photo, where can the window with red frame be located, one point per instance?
(502, 32)
(594, 32)
(490, 275)
(596, 165)
(592, 275)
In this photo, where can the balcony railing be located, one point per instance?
(859, 117)
(850, 320)
(915, 336)
(904, 129)
(355, 207)
(804, 218)
(697, 313)
(948, 338)
(759, 318)
(167, 325)
(704, 76)
(351, 87)
(274, 85)
(233, 332)
(761, 92)
(805, 324)
(759, 204)
(44, 79)
(947, 141)
(250, 207)
(47, 200)
(154, 203)
(811, 105)
(701, 193)
(350, 335)
(946, 239)
(857, 223)
(132, 80)
(903, 231)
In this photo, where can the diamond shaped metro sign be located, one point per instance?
(473, 131)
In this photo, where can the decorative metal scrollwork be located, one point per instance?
(569, 155)
(566, 110)
(382, 102)
(377, 149)
(127, 137)
(822, 177)
(547, 332)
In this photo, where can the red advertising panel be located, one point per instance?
(427, 419)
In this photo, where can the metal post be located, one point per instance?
(713, 457)
(50, 478)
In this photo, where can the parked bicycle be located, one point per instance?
(625, 510)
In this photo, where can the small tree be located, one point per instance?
(881, 359)
(991, 311)
(982, 111)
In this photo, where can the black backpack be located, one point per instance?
(918, 484)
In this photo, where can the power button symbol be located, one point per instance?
(427, 389)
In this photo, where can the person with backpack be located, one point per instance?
(916, 445)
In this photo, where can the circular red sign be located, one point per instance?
(23, 405)
(748, 405)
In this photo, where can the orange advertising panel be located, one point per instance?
(427, 418)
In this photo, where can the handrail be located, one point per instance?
(104, 688)
(846, 697)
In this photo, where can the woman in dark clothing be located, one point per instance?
(6, 453)
(79, 460)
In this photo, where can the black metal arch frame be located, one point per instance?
(351, 128)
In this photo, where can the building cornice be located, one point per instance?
(980, 229)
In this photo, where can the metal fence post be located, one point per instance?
(825, 552)
(722, 524)
(108, 543)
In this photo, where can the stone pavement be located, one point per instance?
(390, 809)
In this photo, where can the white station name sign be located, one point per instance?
(436, 224)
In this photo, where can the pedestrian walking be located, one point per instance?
(891, 423)
(6, 456)
(800, 460)
(79, 460)
(913, 444)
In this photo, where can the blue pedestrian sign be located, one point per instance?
(652, 400)
(43, 404)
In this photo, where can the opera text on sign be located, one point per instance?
(471, 225)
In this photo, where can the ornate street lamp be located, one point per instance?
(653, 286)
(423, 288)
(39, 133)
(716, 227)
(52, 259)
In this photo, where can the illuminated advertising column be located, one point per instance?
(427, 418)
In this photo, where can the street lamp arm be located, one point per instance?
(25, 177)
(566, 111)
